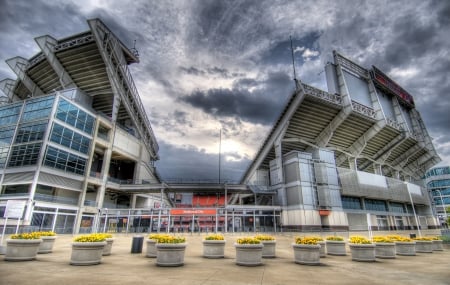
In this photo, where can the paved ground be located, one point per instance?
(122, 267)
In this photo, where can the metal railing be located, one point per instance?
(55, 199)
(362, 109)
(333, 98)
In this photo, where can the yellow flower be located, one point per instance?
(264, 237)
(248, 240)
(214, 237)
(335, 238)
(359, 240)
(307, 240)
(91, 238)
(165, 238)
(382, 239)
(32, 235)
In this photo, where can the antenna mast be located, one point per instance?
(293, 64)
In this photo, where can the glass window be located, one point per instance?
(6, 135)
(23, 155)
(396, 207)
(63, 160)
(9, 114)
(351, 203)
(74, 116)
(38, 108)
(375, 205)
(68, 138)
(30, 132)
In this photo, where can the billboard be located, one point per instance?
(384, 82)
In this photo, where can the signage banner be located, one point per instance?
(192, 211)
(14, 209)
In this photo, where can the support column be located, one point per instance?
(19, 66)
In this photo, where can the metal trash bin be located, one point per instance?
(136, 244)
(412, 235)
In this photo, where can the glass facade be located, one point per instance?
(38, 108)
(396, 207)
(63, 160)
(375, 205)
(68, 138)
(9, 114)
(30, 132)
(23, 155)
(351, 203)
(73, 116)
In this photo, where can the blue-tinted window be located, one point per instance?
(30, 132)
(38, 108)
(351, 203)
(396, 207)
(375, 205)
(6, 135)
(63, 160)
(74, 116)
(25, 154)
(9, 114)
(68, 138)
(439, 183)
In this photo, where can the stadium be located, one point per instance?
(78, 152)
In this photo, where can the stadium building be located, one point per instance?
(438, 184)
(78, 152)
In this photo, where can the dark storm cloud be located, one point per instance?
(191, 163)
(281, 52)
(260, 106)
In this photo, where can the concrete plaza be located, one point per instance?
(122, 267)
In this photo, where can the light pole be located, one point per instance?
(414, 210)
(442, 203)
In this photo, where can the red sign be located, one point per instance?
(389, 85)
(193, 211)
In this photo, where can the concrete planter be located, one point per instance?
(47, 243)
(438, 245)
(424, 246)
(151, 248)
(170, 254)
(335, 247)
(87, 253)
(307, 254)
(269, 248)
(22, 249)
(385, 250)
(214, 248)
(405, 248)
(108, 247)
(362, 252)
(249, 254)
(323, 252)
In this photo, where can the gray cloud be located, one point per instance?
(192, 163)
(260, 106)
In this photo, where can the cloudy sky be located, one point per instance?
(217, 65)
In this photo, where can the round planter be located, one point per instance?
(214, 248)
(323, 252)
(22, 249)
(249, 254)
(424, 246)
(363, 252)
(385, 250)
(269, 248)
(405, 248)
(47, 243)
(170, 254)
(307, 254)
(151, 248)
(335, 247)
(87, 253)
(108, 247)
(438, 245)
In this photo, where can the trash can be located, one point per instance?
(136, 244)
(412, 235)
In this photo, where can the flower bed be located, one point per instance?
(214, 246)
